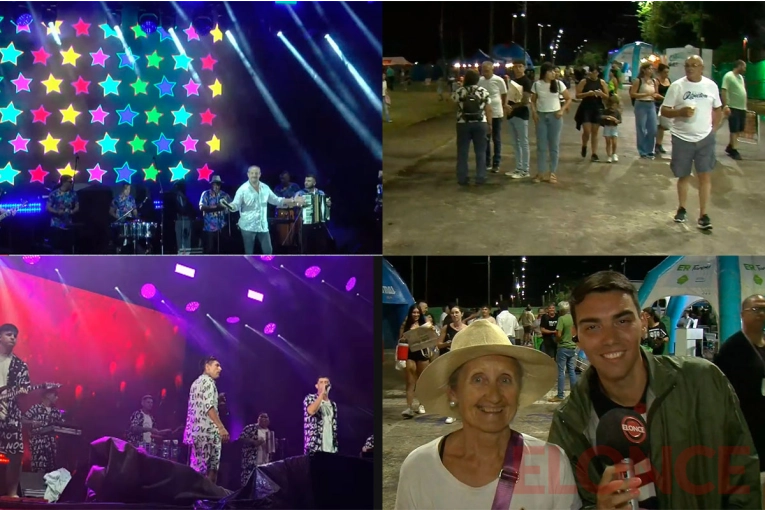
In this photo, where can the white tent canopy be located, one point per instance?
(396, 61)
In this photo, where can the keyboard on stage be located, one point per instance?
(54, 429)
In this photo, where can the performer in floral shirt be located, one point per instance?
(62, 204)
(124, 206)
(44, 445)
(142, 423)
(204, 431)
(215, 215)
(259, 446)
(320, 420)
(369, 447)
(14, 375)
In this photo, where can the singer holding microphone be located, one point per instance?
(320, 420)
(696, 444)
(484, 380)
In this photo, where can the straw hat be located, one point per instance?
(477, 340)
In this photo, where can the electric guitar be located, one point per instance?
(9, 212)
(7, 394)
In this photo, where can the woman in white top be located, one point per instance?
(644, 91)
(484, 380)
(385, 100)
(547, 112)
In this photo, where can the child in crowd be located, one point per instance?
(610, 120)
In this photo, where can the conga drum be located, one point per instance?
(402, 354)
(285, 234)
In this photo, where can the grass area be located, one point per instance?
(418, 103)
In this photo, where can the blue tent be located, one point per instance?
(630, 54)
(396, 300)
(510, 52)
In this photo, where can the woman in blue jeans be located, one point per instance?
(547, 112)
(645, 91)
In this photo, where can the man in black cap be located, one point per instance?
(215, 215)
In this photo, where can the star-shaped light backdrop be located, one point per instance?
(93, 109)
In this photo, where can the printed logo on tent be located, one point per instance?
(388, 290)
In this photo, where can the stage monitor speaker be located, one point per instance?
(32, 485)
(320, 480)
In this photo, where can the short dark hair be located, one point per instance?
(471, 78)
(600, 282)
(312, 176)
(206, 361)
(49, 391)
(652, 313)
(662, 68)
(322, 377)
(519, 62)
(9, 327)
(66, 178)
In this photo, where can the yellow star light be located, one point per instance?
(50, 144)
(216, 88)
(70, 57)
(67, 171)
(214, 144)
(52, 84)
(70, 114)
(217, 34)
(55, 29)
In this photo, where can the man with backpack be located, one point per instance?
(473, 110)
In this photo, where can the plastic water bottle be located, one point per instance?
(165, 449)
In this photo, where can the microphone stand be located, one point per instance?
(162, 214)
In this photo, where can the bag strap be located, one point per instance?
(510, 473)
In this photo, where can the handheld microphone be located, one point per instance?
(625, 431)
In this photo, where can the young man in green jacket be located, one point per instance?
(699, 450)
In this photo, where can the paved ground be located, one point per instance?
(401, 436)
(596, 209)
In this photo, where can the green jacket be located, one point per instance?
(690, 404)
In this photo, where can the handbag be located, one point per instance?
(387, 100)
(509, 475)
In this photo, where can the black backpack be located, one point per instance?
(471, 106)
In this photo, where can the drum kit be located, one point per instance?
(137, 233)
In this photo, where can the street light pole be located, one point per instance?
(525, 30)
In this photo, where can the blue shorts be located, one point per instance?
(611, 131)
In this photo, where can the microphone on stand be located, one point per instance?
(625, 431)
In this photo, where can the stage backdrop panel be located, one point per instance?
(105, 352)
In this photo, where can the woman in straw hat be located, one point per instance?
(484, 380)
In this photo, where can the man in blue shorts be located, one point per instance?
(693, 105)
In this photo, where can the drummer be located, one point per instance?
(286, 188)
(123, 206)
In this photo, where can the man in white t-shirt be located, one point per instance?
(507, 322)
(693, 104)
(498, 93)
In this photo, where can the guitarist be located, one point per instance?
(43, 445)
(14, 375)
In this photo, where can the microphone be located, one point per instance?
(329, 387)
(625, 431)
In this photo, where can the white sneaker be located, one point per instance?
(615, 158)
(449, 421)
(610, 159)
(408, 413)
(421, 409)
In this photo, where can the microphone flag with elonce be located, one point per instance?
(624, 433)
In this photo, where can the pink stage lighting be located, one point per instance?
(31, 259)
(185, 271)
(257, 296)
(269, 329)
(192, 307)
(148, 291)
(267, 258)
(232, 320)
(312, 272)
(351, 284)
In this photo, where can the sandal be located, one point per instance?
(553, 179)
(541, 178)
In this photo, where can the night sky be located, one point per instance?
(411, 29)
(449, 278)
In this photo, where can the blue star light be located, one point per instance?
(124, 173)
(128, 60)
(179, 172)
(182, 61)
(163, 144)
(10, 54)
(8, 173)
(181, 116)
(110, 85)
(127, 115)
(163, 34)
(108, 144)
(165, 87)
(9, 113)
(108, 31)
